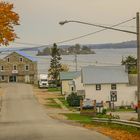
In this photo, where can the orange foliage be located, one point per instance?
(8, 19)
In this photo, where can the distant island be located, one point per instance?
(76, 49)
(122, 45)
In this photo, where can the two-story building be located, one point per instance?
(18, 67)
(108, 83)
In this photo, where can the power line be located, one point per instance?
(82, 36)
(75, 38)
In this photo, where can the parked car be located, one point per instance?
(88, 104)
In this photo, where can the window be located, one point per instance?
(21, 59)
(113, 95)
(2, 78)
(14, 67)
(8, 59)
(98, 87)
(2, 67)
(72, 88)
(26, 67)
(113, 86)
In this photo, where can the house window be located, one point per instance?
(2, 78)
(14, 67)
(21, 59)
(113, 86)
(8, 59)
(2, 67)
(72, 88)
(98, 87)
(26, 67)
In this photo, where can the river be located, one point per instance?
(102, 57)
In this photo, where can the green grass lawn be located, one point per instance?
(52, 103)
(62, 99)
(79, 118)
(88, 120)
(54, 89)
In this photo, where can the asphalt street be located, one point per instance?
(23, 118)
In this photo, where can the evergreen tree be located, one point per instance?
(55, 65)
(131, 63)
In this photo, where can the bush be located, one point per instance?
(104, 111)
(74, 100)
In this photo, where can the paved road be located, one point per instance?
(22, 118)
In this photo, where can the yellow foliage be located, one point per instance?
(8, 19)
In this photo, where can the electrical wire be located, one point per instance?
(75, 38)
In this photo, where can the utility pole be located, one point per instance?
(138, 63)
(75, 61)
(137, 33)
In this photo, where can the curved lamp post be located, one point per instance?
(137, 33)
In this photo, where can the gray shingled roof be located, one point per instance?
(69, 75)
(104, 74)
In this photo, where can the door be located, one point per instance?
(12, 78)
(27, 79)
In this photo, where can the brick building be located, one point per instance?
(18, 67)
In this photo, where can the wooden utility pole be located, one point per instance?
(76, 61)
(126, 31)
(138, 62)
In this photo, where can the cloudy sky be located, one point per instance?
(39, 20)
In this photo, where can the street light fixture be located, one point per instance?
(138, 47)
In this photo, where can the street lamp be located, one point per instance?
(137, 33)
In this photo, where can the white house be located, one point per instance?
(108, 83)
(68, 80)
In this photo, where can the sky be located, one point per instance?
(39, 20)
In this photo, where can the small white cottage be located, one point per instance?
(108, 83)
(67, 81)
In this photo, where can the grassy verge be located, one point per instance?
(54, 89)
(62, 99)
(88, 120)
(79, 118)
(52, 103)
(65, 103)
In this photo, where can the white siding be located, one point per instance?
(78, 84)
(125, 94)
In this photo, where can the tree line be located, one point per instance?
(76, 49)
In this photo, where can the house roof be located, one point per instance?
(69, 75)
(26, 55)
(104, 74)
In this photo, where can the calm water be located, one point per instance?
(102, 57)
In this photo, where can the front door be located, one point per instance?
(12, 78)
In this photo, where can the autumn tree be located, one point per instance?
(55, 65)
(8, 19)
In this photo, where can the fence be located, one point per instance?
(117, 121)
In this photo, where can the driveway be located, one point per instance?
(22, 118)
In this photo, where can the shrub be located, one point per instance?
(74, 100)
(104, 111)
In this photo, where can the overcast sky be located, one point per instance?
(39, 20)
